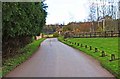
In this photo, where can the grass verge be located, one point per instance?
(28, 50)
(107, 44)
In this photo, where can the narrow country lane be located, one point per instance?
(55, 59)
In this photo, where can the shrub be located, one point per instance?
(56, 34)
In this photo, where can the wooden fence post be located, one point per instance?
(98, 34)
(96, 50)
(103, 54)
(75, 43)
(90, 47)
(112, 57)
(81, 45)
(78, 35)
(78, 44)
(94, 34)
(111, 33)
(85, 46)
(90, 35)
(83, 35)
(86, 35)
(119, 33)
(105, 34)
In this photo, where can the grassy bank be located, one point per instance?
(108, 45)
(28, 50)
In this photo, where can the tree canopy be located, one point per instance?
(23, 19)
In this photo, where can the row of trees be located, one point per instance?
(101, 9)
(49, 29)
(78, 27)
(21, 21)
(103, 16)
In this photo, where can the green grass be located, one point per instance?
(109, 45)
(48, 36)
(28, 50)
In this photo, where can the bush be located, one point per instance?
(56, 34)
(20, 22)
(23, 19)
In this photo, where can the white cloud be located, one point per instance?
(60, 11)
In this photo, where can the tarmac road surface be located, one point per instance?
(55, 59)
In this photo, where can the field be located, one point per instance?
(108, 45)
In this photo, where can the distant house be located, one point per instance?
(81, 26)
(108, 24)
(59, 30)
(104, 24)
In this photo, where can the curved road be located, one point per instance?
(55, 59)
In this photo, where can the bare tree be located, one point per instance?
(92, 16)
(100, 10)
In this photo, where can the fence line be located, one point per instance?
(103, 54)
(94, 34)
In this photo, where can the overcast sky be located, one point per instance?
(64, 11)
